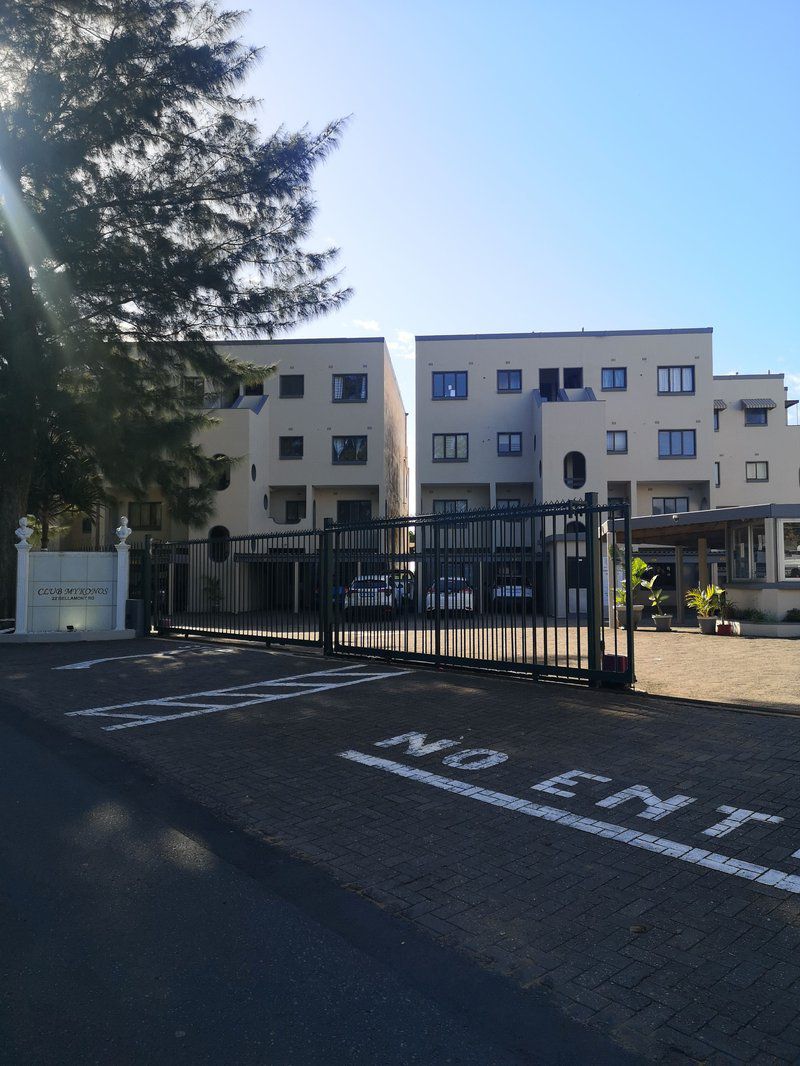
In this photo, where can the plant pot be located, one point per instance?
(622, 614)
(724, 629)
(707, 626)
(662, 622)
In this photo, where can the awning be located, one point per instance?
(769, 404)
(720, 405)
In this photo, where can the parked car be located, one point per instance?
(373, 592)
(512, 596)
(454, 595)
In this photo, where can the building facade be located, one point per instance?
(512, 419)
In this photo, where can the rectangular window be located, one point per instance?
(509, 444)
(349, 449)
(352, 512)
(716, 476)
(573, 377)
(508, 504)
(789, 539)
(614, 378)
(756, 471)
(86, 525)
(755, 416)
(449, 385)
(144, 515)
(617, 441)
(670, 504)
(509, 381)
(676, 444)
(748, 548)
(292, 386)
(449, 506)
(450, 447)
(349, 388)
(295, 511)
(290, 447)
(676, 379)
(716, 421)
(256, 389)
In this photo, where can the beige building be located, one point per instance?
(510, 419)
(321, 440)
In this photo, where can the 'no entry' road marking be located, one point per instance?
(671, 849)
(215, 700)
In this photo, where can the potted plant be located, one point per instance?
(726, 609)
(658, 600)
(706, 603)
(638, 570)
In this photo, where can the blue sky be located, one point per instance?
(519, 165)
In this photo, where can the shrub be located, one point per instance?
(792, 615)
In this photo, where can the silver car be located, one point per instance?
(454, 595)
(373, 593)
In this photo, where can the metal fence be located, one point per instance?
(528, 590)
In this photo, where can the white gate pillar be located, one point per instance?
(23, 568)
(123, 572)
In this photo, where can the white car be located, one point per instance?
(454, 595)
(514, 597)
(373, 593)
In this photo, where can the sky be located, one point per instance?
(514, 166)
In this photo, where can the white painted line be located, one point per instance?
(326, 681)
(671, 849)
(205, 649)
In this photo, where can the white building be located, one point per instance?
(518, 418)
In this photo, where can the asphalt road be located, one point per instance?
(135, 929)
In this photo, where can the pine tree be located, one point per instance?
(142, 216)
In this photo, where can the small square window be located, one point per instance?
(573, 377)
(509, 381)
(295, 511)
(290, 447)
(449, 385)
(617, 441)
(292, 386)
(349, 388)
(614, 378)
(144, 515)
(756, 471)
(509, 444)
(755, 416)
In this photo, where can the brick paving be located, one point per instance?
(674, 960)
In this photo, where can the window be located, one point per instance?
(450, 447)
(253, 472)
(290, 447)
(219, 544)
(748, 551)
(351, 512)
(509, 381)
(617, 441)
(716, 421)
(755, 416)
(573, 377)
(292, 386)
(574, 470)
(256, 389)
(756, 471)
(676, 444)
(670, 504)
(86, 525)
(449, 506)
(450, 385)
(349, 450)
(349, 388)
(224, 467)
(508, 505)
(789, 541)
(295, 511)
(678, 379)
(614, 378)
(509, 444)
(548, 383)
(716, 476)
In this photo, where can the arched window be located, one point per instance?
(219, 544)
(224, 466)
(574, 470)
(574, 527)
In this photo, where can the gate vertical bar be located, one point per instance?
(326, 590)
(594, 592)
(629, 591)
(437, 612)
(147, 584)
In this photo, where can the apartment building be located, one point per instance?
(322, 439)
(517, 418)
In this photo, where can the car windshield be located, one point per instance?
(370, 583)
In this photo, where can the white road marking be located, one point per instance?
(248, 695)
(206, 649)
(671, 849)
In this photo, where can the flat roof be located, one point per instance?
(685, 526)
(574, 333)
(305, 340)
(745, 377)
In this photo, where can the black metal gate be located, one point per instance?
(527, 590)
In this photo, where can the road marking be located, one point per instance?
(248, 695)
(87, 664)
(671, 849)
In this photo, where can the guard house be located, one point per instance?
(760, 567)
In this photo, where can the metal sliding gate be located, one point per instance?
(529, 590)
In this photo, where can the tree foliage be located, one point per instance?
(142, 215)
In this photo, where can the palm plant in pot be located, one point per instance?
(706, 602)
(658, 601)
(726, 609)
(638, 570)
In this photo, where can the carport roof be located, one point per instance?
(683, 529)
